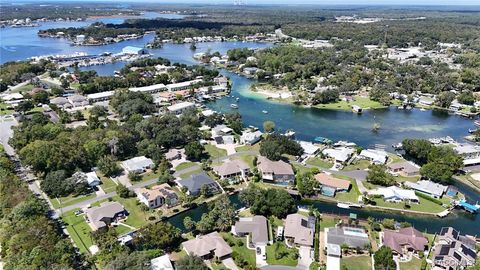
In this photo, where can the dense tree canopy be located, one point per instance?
(276, 202)
(275, 145)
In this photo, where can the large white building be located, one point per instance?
(181, 107)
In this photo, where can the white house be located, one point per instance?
(161, 263)
(182, 85)
(134, 50)
(395, 194)
(92, 179)
(137, 164)
(309, 148)
(181, 107)
(340, 155)
(149, 89)
(250, 138)
(375, 156)
(157, 196)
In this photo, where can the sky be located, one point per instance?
(288, 2)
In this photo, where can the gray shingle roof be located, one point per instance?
(195, 182)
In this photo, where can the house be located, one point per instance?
(100, 217)
(453, 251)
(277, 171)
(430, 188)
(102, 96)
(251, 70)
(340, 155)
(352, 236)
(149, 89)
(78, 101)
(375, 156)
(134, 50)
(157, 196)
(208, 246)
(212, 89)
(250, 138)
(232, 168)
(221, 81)
(181, 107)
(330, 185)
(395, 194)
(470, 153)
(61, 102)
(195, 182)
(309, 148)
(300, 230)
(254, 227)
(161, 263)
(137, 164)
(221, 130)
(92, 179)
(404, 240)
(173, 154)
(405, 168)
(182, 85)
(334, 253)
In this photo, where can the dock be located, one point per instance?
(443, 213)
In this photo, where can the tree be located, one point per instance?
(377, 175)
(275, 202)
(134, 260)
(160, 235)
(234, 121)
(191, 263)
(220, 217)
(268, 126)
(213, 120)
(274, 146)
(307, 184)
(124, 192)
(40, 97)
(108, 166)
(466, 97)
(189, 224)
(55, 184)
(444, 99)
(326, 96)
(24, 106)
(384, 259)
(194, 151)
(134, 177)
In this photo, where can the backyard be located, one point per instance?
(356, 263)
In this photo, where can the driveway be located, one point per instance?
(230, 264)
(6, 132)
(304, 258)
(259, 257)
(333, 263)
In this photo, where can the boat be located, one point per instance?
(477, 123)
(471, 131)
(237, 99)
(323, 140)
(422, 109)
(265, 112)
(397, 146)
(234, 106)
(343, 205)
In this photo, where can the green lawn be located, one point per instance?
(4, 109)
(424, 205)
(23, 89)
(248, 148)
(107, 184)
(319, 162)
(136, 216)
(186, 175)
(242, 250)
(184, 165)
(289, 255)
(352, 194)
(302, 169)
(247, 159)
(70, 200)
(79, 230)
(214, 151)
(363, 102)
(327, 222)
(360, 165)
(413, 264)
(357, 263)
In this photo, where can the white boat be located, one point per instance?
(422, 109)
(265, 112)
(343, 205)
(237, 99)
(234, 106)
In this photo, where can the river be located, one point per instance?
(22, 43)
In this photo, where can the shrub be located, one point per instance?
(426, 197)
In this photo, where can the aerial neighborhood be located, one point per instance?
(176, 137)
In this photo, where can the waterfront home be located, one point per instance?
(182, 85)
(340, 155)
(251, 70)
(232, 169)
(157, 196)
(300, 230)
(329, 185)
(453, 250)
(469, 152)
(352, 236)
(149, 89)
(102, 96)
(277, 171)
(221, 130)
(208, 246)
(221, 81)
(404, 241)
(430, 188)
(137, 164)
(134, 50)
(395, 194)
(181, 107)
(309, 148)
(102, 216)
(255, 228)
(194, 184)
(161, 263)
(250, 138)
(374, 155)
(405, 168)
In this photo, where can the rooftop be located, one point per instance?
(409, 237)
(206, 244)
(256, 225)
(353, 237)
(330, 181)
(231, 167)
(276, 167)
(300, 228)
